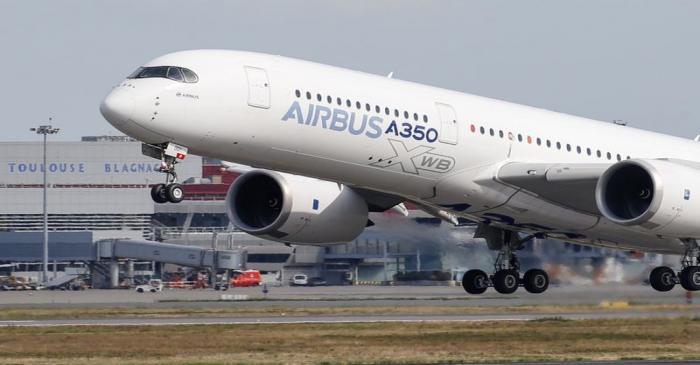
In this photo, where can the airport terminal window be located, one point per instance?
(178, 74)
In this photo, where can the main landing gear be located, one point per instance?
(663, 278)
(169, 155)
(506, 278)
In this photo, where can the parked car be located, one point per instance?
(317, 282)
(153, 286)
(299, 279)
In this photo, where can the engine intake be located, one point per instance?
(295, 209)
(629, 193)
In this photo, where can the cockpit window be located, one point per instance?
(189, 75)
(174, 73)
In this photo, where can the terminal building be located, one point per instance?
(101, 185)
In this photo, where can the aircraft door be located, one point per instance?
(449, 131)
(258, 87)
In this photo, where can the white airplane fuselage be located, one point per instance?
(433, 146)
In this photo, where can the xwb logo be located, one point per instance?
(415, 159)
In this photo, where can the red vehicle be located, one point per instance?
(245, 278)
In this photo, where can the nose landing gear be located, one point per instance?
(169, 155)
(506, 278)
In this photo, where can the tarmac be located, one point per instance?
(339, 296)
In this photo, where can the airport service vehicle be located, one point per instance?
(299, 280)
(329, 145)
(153, 286)
(246, 278)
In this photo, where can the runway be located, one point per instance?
(326, 319)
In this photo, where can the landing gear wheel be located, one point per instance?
(662, 278)
(536, 281)
(175, 193)
(475, 282)
(690, 278)
(158, 193)
(506, 281)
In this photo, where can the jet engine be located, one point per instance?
(662, 196)
(295, 209)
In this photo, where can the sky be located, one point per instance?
(636, 61)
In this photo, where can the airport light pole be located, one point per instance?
(45, 130)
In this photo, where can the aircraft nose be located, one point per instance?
(117, 107)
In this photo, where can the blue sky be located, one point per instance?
(607, 60)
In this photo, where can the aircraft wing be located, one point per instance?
(571, 185)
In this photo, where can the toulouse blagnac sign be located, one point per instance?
(82, 168)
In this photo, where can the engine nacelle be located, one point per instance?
(295, 209)
(652, 195)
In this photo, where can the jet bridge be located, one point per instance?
(171, 254)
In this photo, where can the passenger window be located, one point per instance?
(405, 114)
(329, 99)
(308, 95)
(588, 151)
(377, 109)
(597, 153)
(568, 147)
(619, 158)
(396, 113)
(425, 118)
(415, 116)
(578, 149)
(609, 156)
(368, 107)
(539, 141)
(297, 93)
(387, 111)
(491, 132)
(481, 129)
(339, 101)
(549, 144)
(520, 137)
(348, 103)
(319, 97)
(500, 133)
(558, 145)
(358, 105)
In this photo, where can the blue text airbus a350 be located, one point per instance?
(329, 145)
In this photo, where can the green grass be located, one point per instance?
(549, 339)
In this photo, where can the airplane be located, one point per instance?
(329, 145)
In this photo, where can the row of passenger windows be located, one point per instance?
(558, 145)
(348, 103)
